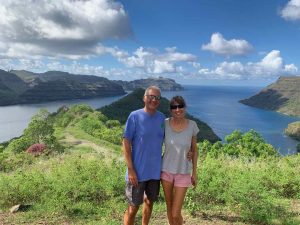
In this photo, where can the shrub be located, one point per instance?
(19, 145)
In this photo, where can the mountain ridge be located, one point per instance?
(283, 96)
(25, 87)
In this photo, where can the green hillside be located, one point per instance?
(121, 109)
(79, 177)
(282, 96)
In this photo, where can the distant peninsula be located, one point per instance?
(25, 87)
(165, 84)
(283, 96)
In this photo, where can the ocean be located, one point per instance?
(217, 106)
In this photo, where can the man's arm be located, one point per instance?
(132, 177)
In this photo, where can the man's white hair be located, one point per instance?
(152, 88)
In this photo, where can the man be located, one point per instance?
(142, 147)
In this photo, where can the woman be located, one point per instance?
(176, 176)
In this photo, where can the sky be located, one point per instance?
(203, 42)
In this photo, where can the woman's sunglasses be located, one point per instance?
(181, 106)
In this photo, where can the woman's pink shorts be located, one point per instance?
(179, 180)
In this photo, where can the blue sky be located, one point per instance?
(221, 42)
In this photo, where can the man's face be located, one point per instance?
(151, 99)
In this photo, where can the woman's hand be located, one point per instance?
(194, 179)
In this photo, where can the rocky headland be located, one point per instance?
(283, 96)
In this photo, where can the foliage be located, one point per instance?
(293, 130)
(90, 121)
(40, 129)
(75, 186)
(19, 145)
(249, 144)
(254, 188)
(298, 148)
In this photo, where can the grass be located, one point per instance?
(81, 186)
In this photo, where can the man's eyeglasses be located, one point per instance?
(152, 97)
(181, 106)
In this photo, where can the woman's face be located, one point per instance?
(177, 110)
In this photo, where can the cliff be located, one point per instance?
(282, 96)
(23, 87)
(165, 84)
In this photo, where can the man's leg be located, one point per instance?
(151, 195)
(134, 195)
(147, 210)
(130, 214)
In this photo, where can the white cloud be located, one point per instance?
(153, 61)
(65, 28)
(291, 11)
(221, 46)
(270, 66)
(162, 67)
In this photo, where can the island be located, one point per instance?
(165, 84)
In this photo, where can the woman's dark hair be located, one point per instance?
(177, 100)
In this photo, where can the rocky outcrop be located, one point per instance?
(282, 96)
(293, 130)
(165, 84)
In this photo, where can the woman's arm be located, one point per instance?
(194, 160)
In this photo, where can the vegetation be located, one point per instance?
(293, 130)
(81, 180)
(282, 96)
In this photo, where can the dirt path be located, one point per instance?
(107, 153)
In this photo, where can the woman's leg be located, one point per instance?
(177, 202)
(168, 191)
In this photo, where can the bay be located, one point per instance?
(14, 119)
(218, 106)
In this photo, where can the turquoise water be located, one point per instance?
(218, 106)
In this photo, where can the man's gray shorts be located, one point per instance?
(135, 194)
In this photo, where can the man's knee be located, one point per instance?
(132, 210)
(148, 202)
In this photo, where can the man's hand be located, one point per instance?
(132, 177)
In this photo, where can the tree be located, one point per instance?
(40, 129)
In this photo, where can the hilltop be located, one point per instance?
(119, 110)
(165, 84)
(282, 96)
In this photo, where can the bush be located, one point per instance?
(74, 187)
(249, 144)
(19, 145)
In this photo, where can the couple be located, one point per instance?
(145, 131)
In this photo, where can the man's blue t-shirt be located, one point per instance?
(146, 134)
